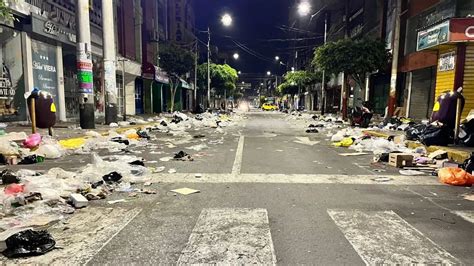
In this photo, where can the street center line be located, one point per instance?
(384, 238)
(230, 236)
(238, 157)
(296, 179)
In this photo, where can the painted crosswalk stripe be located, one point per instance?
(230, 237)
(383, 237)
(238, 156)
(466, 215)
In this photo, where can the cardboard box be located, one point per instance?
(400, 160)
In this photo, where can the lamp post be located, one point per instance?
(226, 20)
(304, 9)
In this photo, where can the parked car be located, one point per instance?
(269, 107)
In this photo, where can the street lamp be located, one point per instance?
(240, 72)
(277, 58)
(226, 21)
(236, 56)
(304, 8)
(292, 69)
(269, 73)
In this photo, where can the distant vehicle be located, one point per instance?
(269, 107)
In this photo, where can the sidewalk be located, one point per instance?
(70, 130)
(455, 153)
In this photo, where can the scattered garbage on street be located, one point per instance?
(33, 199)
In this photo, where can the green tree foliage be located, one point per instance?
(5, 12)
(295, 80)
(353, 57)
(223, 78)
(177, 61)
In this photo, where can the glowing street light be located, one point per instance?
(277, 58)
(304, 8)
(236, 56)
(226, 20)
(269, 73)
(292, 69)
(240, 72)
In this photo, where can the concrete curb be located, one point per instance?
(454, 154)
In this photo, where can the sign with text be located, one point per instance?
(462, 29)
(45, 76)
(447, 61)
(433, 36)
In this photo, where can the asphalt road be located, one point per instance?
(271, 193)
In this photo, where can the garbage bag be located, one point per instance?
(468, 164)
(29, 243)
(49, 151)
(455, 176)
(72, 143)
(414, 132)
(32, 141)
(346, 142)
(32, 159)
(8, 177)
(14, 189)
(436, 135)
(112, 177)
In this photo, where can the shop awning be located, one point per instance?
(185, 85)
(150, 71)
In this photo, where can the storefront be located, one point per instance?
(151, 90)
(452, 39)
(53, 59)
(12, 80)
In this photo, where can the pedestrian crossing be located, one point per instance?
(236, 236)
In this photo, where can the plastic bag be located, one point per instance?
(50, 151)
(455, 176)
(32, 140)
(72, 143)
(346, 142)
(29, 243)
(414, 132)
(434, 135)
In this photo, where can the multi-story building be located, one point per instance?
(181, 21)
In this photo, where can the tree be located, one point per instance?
(353, 57)
(177, 61)
(223, 78)
(5, 12)
(297, 79)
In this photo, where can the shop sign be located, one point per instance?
(150, 71)
(447, 61)
(6, 87)
(45, 75)
(433, 36)
(462, 29)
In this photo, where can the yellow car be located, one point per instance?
(269, 107)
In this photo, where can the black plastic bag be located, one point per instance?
(137, 162)
(468, 164)
(143, 134)
(29, 243)
(120, 140)
(414, 132)
(8, 177)
(180, 155)
(436, 135)
(112, 177)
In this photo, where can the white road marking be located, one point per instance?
(238, 157)
(383, 237)
(466, 215)
(230, 237)
(294, 179)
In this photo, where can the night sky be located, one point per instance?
(255, 24)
